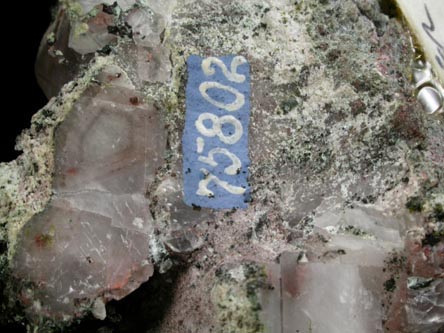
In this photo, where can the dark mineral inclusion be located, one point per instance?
(339, 150)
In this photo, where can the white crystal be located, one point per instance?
(366, 236)
(153, 64)
(89, 42)
(147, 26)
(334, 298)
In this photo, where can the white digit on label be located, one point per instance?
(232, 76)
(233, 169)
(200, 144)
(203, 185)
(234, 106)
(216, 128)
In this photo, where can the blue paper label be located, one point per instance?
(215, 139)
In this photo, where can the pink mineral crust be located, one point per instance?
(92, 240)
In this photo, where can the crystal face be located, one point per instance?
(95, 35)
(92, 240)
(326, 294)
(339, 278)
(56, 62)
(73, 256)
(344, 229)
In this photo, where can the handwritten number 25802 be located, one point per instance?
(218, 122)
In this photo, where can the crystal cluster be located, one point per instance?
(92, 239)
(83, 27)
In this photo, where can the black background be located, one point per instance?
(23, 25)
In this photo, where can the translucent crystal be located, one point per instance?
(330, 298)
(270, 299)
(181, 225)
(126, 4)
(147, 26)
(92, 35)
(72, 256)
(111, 132)
(321, 297)
(425, 308)
(57, 63)
(366, 236)
(151, 64)
(321, 288)
(93, 237)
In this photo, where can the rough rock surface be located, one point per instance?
(346, 174)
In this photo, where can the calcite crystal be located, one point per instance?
(344, 231)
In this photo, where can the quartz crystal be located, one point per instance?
(146, 25)
(426, 305)
(337, 279)
(92, 240)
(57, 63)
(321, 297)
(344, 231)
(91, 34)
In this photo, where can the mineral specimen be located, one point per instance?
(344, 228)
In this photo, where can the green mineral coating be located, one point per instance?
(73, 8)
(80, 29)
(235, 296)
(50, 39)
(415, 204)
